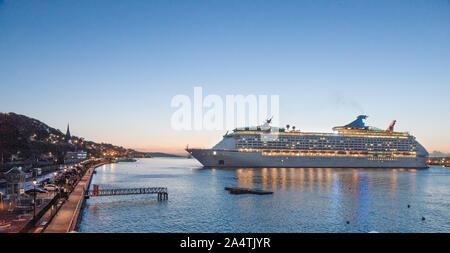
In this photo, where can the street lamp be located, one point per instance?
(57, 183)
(34, 209)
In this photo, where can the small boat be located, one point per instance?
(237, 190)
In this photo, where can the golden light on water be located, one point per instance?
(394, 181)
(302, 178)
(328, 178)
(283, 178)
(292, 178)
(274, 177)
(311, 178)
(264, 178)
(319, 178)
(322, 180)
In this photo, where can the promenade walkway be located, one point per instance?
(66, 218)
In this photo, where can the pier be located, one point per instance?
(160, 191)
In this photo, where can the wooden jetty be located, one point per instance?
(237, 190)
(160, 191)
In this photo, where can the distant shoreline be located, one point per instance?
(160, 154)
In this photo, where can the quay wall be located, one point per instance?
(80, 205)
(68, 215)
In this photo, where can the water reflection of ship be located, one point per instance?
(344, 191)
(320, 179)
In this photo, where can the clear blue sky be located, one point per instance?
(111, 68)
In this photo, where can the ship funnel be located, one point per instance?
(360, 122)
(391, 126)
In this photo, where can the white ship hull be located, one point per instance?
(232, 158)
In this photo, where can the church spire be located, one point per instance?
(68, 137)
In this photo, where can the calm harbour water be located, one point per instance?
(304, 200)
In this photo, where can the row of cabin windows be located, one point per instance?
(333, 140)
(402, 146)
(339, 149)
(328, 147)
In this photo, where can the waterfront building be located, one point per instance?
(15, 192)
(75, 156)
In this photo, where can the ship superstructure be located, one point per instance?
(354, 145)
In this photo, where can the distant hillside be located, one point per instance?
(439, 154)
(29, 140)
(26, 138)
(158, 154)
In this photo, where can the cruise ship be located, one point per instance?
(354, 145)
